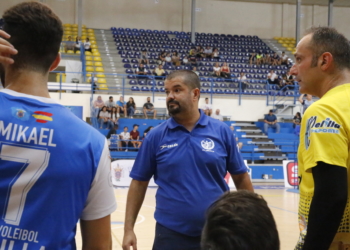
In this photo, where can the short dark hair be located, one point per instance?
(271, 110)
(190, 78)
(36, 32)
(126, 127)
(327, 39)
(240, 220)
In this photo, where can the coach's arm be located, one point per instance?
(96, 234)
(327, 205)
(242, 181)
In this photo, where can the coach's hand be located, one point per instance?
(129, 240)
(6, 49)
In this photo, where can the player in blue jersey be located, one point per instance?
(189, 156)
(55, 168)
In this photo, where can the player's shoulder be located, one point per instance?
(217, 125)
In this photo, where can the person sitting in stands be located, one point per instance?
(297, 119)
(168, 60)
(284, 59)
(271, 121)
(69, 44)
(185, 61)
(87, 45)
(208, 52)
(77, 44)
(175, 59)
(259, 58)
(112, 131)
(252, 59)
(229, 223)
(275, 59)
(207, 108)
(104, 118)
(146, 131)
(98, 104)
(216, 54)
(114, 115)
(193, 60)
(159, 71)
(217, 70)
(148, 108)
(225, 71)
(243, 81)
(131, 107)
(110, 103)
(272, 78)
(141, 71)
(121, 104)
(135, 137)
(161, 58)
(267, 59)
(125, 139)
(217, 115)
(194, 69)
(144, 58)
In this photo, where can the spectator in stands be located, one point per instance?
(267, 59)
(272, 78)
(208, 52)
(125, 139)
(217, 70)
(185, 61)
(192, 51)
(112, 131)
(297, 119)
(144, 58)
(284, 59)
(216, 53)
(135, 137)
(252, 58)
(131, 107)
(229, 223)
(148, 108)
(290, 78)
(110, 103)
(104, 118)
(114, 115)
(242, 79)
(77, 44)
(92, 79)
(225, 71)
(193, 60)
(271, 121)
(69, 44)
(207, 108)
(121, 104)
(176, 59)
(259, 58)
(194, 69)
(146, 131)
(306, 102)
(168, 60)
(275, 59)
(217, 115)
(141, 71)
(159, 71)
(201, 54)
(161, 58)
(98, 104)
(87, 45)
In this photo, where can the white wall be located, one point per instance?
(251, 108)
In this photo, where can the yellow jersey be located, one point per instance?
(325, 136)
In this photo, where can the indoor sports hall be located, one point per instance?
(241, 50)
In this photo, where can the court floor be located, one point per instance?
(283, 204)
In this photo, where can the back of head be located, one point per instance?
(240, 220)
(36, 32)
(327, 39)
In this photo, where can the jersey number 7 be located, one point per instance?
(33, 163)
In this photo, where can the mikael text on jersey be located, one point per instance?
(19, 133)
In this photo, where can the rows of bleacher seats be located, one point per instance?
(234, 50)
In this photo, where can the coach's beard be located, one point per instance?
(173, 110)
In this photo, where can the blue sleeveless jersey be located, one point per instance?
(54, 170)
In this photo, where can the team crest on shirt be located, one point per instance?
(207, 145)
(20, 113)
(325, 126)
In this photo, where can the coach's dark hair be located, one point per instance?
(190, 78)
(36, 32)
(240, 220)
(327, 39)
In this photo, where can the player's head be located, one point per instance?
(240, 220)
(36, 32)
(182, 88)
(320, 55)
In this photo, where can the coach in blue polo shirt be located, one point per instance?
(189, 156)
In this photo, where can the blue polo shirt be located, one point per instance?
(189, 168)
(270, 118)
(121, 104)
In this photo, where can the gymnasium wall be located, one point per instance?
(251, 108)
(214, 16)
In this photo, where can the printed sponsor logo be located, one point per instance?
(169, 146)
(207, 145)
